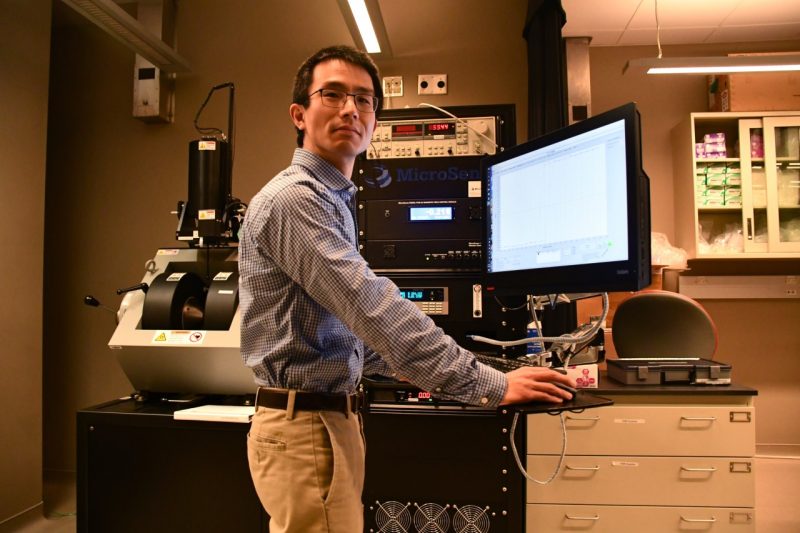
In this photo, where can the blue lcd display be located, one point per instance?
(430, 213)
(423, 294)
(412, 294)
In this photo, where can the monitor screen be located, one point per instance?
(569, 211)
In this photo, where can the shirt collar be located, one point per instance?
(326, 173)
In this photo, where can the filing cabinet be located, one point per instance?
(665, 459)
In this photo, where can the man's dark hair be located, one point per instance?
(302, 81)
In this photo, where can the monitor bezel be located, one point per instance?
(628, 275)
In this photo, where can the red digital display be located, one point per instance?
(422, 395)
(440, 128)
(406, 130)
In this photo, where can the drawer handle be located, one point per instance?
(591, 418)
(699, 418)
(740, 416)
(593, 468)
(709, 469)
(704, 520)
(594, 518)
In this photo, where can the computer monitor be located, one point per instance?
(569, 212)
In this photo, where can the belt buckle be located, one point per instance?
(358, 401)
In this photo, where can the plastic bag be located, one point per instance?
(727, 242)
(662, 253)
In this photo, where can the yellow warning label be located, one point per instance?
(170, 337)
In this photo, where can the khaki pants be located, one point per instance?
(308, 470)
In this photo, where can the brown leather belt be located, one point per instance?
(309, 401)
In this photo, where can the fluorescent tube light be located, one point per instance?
(360, 13)
(365, 23)
(115, 21)
(717, 65)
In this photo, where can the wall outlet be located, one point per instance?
(432, 84)
(392, 86)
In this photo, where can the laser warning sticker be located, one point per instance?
(178, 337)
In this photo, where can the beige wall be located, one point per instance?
(761, 340)
(24, 58)
(487, 69)
(112, 179)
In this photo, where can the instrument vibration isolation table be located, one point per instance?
(661, 459)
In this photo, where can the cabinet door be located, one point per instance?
(753, 186)
(782, 167)
(719, 217)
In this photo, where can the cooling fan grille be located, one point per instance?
(431, 518)
(471, 519)
(393, 517)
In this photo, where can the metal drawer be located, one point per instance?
(631, 480)
(623, 519)
(676, 430)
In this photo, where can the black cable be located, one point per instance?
(199, 128)
(231, 115)
(501, 304)
(216, 131)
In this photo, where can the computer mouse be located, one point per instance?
(567, 388)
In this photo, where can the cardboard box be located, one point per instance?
(761, 91)
(586, 376)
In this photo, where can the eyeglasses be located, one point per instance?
(366, 103)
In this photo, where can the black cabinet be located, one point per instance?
(442, 470)
(141, 470)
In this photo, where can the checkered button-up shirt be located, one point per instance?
(315, 317)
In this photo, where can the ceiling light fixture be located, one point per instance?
(713, 65)
(364, 20)
(115, 21)
(359, 9)
(717, 65)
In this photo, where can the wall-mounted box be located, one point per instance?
(761, 91)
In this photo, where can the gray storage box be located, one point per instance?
(693, 371)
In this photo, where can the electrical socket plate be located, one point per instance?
(432, 84)
(392, 86)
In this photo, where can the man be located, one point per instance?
(315, 318)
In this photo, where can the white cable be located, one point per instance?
(560, 459)
(563, 339)
(658, 32)
(535, 319)
(462, 121)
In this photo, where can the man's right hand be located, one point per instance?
(535, 384)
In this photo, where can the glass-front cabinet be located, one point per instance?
(737, 184)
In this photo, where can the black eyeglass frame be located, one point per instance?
(376, 101)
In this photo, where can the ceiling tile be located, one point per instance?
(682, 13)
(750, 12)
(668, 36)
(772, 32)
(593, 15)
